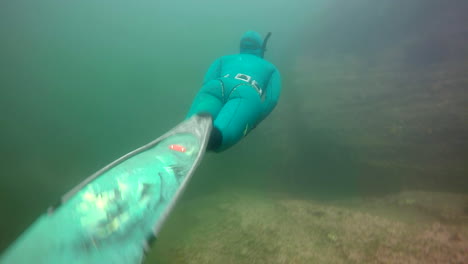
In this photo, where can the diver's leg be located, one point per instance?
(238, 116)
(209, 100)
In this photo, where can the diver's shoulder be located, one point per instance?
(248, 57)
(270, 65)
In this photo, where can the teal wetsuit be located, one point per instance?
(238, 91)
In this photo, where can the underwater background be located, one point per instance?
(374, 105)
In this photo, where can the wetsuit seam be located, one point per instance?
(222, 91)
(234, 88)
(269, 80)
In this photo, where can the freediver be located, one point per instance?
(238, 92)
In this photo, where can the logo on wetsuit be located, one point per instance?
(248, 79)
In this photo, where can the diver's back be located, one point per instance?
(257, 68)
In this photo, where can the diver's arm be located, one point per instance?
(214, 71)
(273, 92)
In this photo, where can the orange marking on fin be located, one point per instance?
(178, 148)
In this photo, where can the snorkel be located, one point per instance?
(265, 41)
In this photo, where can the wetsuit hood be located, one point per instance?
(252, 43)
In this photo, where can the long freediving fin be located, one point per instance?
(112, 215)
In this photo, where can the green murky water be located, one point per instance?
(374, 102)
